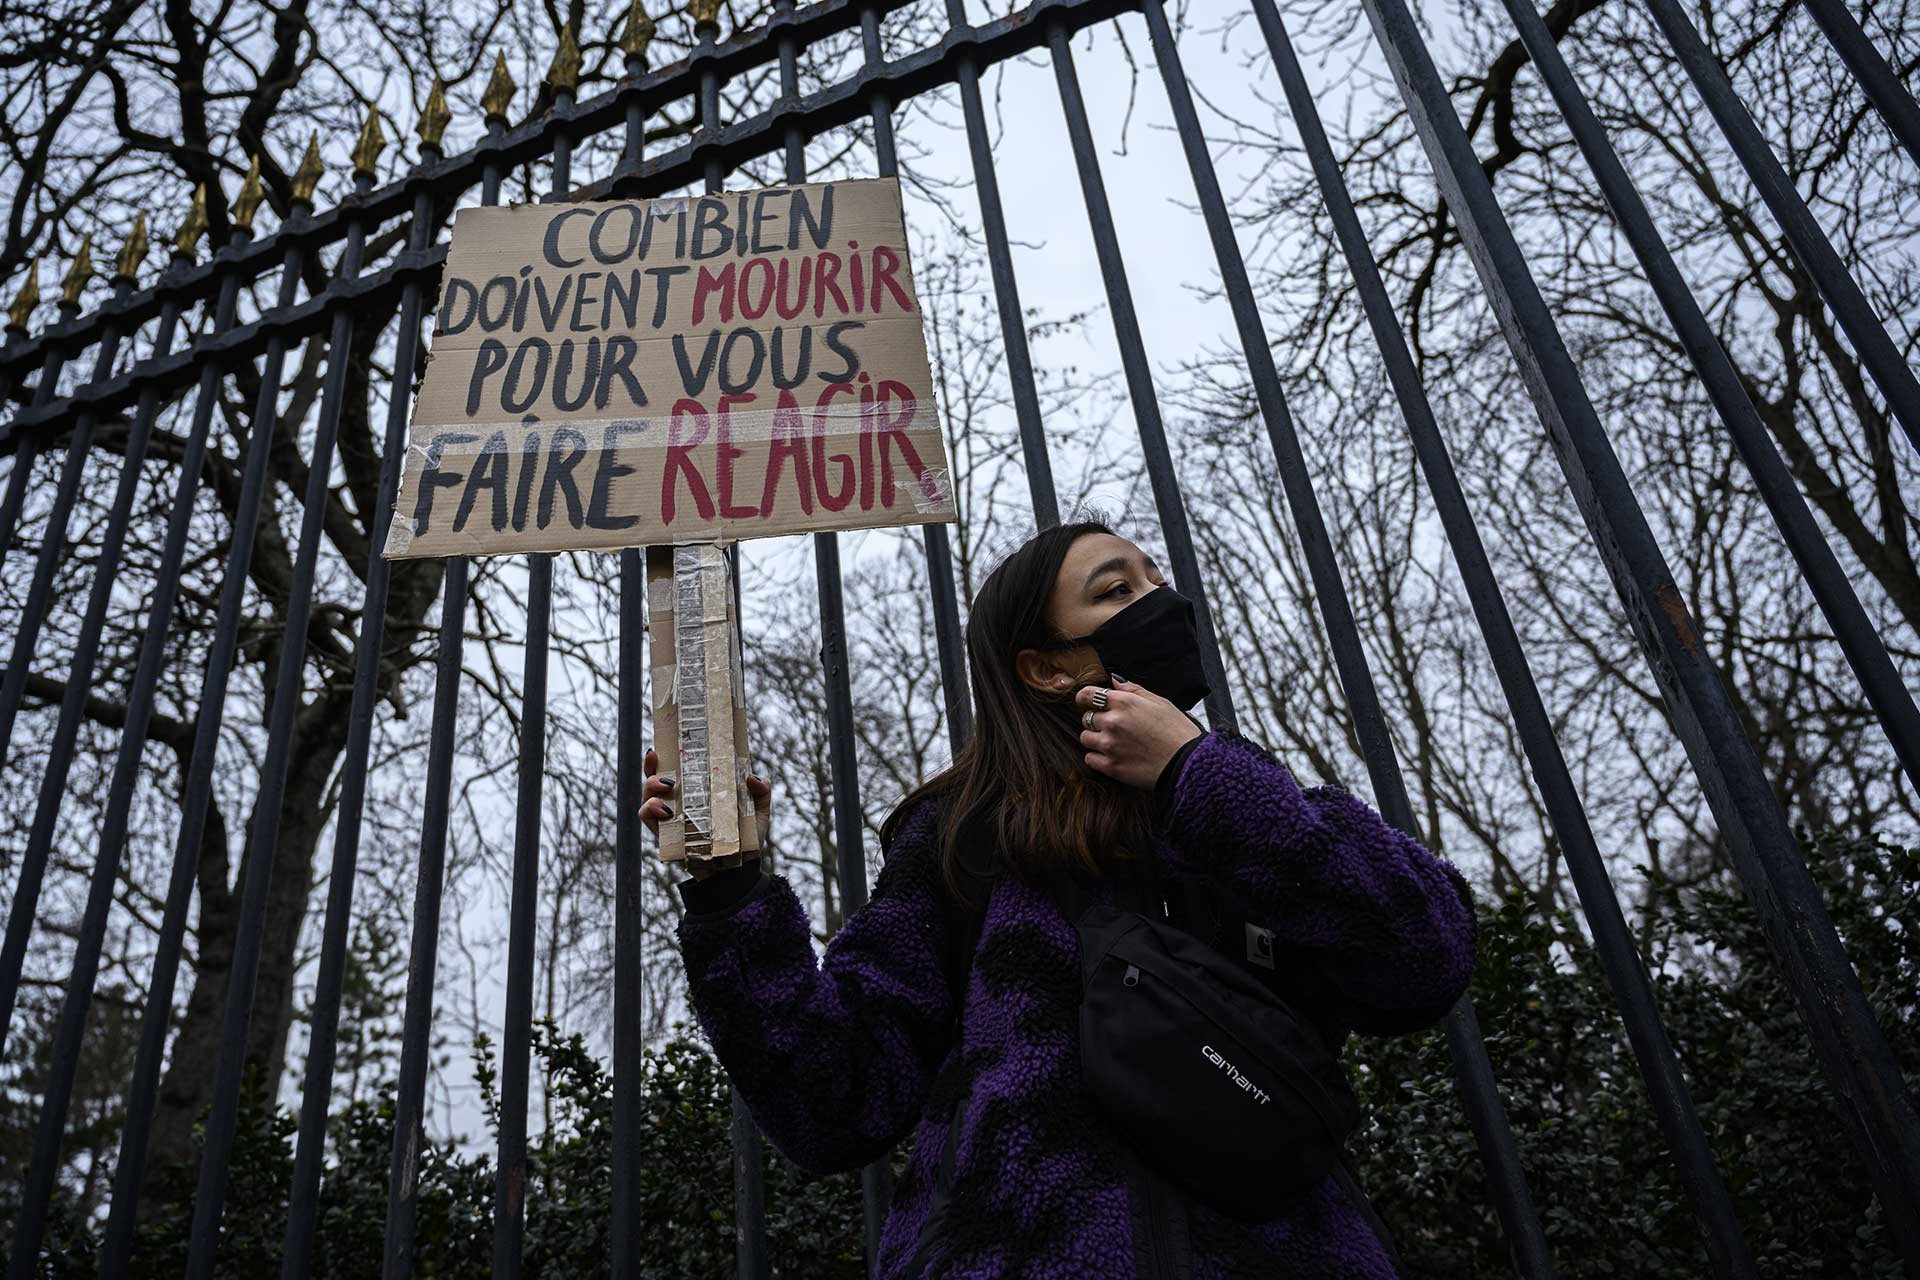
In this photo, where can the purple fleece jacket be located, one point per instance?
(839, 1058)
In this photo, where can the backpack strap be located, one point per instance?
(1344, 1176)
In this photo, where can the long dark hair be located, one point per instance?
(1019, 796)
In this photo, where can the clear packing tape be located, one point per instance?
(603, 483)
(699, 604)
(699, 702)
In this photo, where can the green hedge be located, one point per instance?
(1597, 1162)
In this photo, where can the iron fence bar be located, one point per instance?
(33, 613)
(1474, 1074)
(403, 1174)
(1876, 76)
(195, 796)
(26, 893)
(629, 852)
(182, 368)
(629, 1040)
(1768, 860)
(1810, 245)
(1006, 288)
(129, 1170)
(210, 1191)
(70, 1032)
(938, 546)
(410, 1090)
(26, 896)
(510, 1168)
(1487, 1117)
(510, 1171)
(16, 337)
(21, 477)
(1356, 679)
(850, 868)
(713, 165)
(749, 1191)
(403, 1170)
(180, 287)
(1613, 939)
(1858, 636)
(847, 101)
(794, 143)
(296, 1253)
(842, 104)
(523, 144)
(751, 1259)
(1171, 507)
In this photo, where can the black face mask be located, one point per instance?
(1155, 643)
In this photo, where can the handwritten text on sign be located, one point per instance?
(681, 370)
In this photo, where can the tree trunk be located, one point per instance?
(186, 1091)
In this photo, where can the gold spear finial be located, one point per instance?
(564, 74)
(704, 12)
(251, 194)
(306, 179)
(500, 89)
(639, 30)
(81, 271)
(434, 117)
(371, 142)
(127, 266)
(26, 300)
(196, 224)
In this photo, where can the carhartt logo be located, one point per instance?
(1206, 1051)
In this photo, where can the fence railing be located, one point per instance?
(1851, 1049)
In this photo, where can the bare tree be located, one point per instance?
(1791, 685)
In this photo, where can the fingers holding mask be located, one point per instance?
(1133, 735)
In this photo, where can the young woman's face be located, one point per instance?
(1101, 575)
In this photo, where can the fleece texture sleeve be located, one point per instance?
(1388, 925)
(835, 1055)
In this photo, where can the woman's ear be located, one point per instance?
(1043, 672)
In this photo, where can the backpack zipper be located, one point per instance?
(1162, 1257)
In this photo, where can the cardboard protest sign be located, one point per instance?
(693, 369)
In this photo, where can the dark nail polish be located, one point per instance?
(667, 778)
(667, 809)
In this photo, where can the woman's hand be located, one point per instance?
(1135, 736)
(656, 806)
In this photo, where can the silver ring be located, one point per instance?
(1087, 719)
(1099, 699)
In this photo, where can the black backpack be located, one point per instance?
(1180, 1037)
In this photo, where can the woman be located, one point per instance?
(838, 1059)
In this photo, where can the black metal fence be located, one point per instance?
(1850, 1047)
